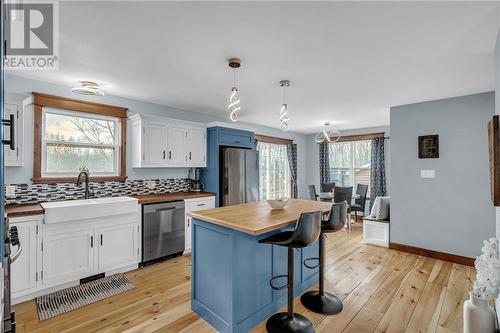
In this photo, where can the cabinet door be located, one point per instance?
(154, 151)
(236, 138)
(68, 256)
(24, 274)
(187, 235)
(117, 246)
(197, 147)
(176, 142)
(191, 206)
(12, 157)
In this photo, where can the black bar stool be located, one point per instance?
(321, 301)
(306, 232)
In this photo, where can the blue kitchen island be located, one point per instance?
(231, 270)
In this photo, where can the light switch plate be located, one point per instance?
(151, 184)
(427, 174)
(10, 191)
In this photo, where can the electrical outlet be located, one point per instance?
(151, 184)
(10, 191)
(427, 174)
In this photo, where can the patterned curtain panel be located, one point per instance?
(324, 163)
(377, 181)
(291, 152)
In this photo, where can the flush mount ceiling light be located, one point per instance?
(327, 135)
(88, 88)
(284, 107)
(234, 100)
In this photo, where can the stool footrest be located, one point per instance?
(311, 266)
(278, 277)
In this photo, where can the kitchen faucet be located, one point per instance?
(79, 182)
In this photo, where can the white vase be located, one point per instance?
(479, 317)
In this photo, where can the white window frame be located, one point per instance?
(352, 167)
(287, 171)
(116, 145)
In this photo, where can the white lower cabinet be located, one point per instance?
(24, 269)
(117, 245)
(191, 206)
(56, 256)
(67, 256)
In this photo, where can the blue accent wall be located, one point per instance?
(452, 212)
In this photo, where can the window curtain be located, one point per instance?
(291, 152)
(377, 179)
(324, 163)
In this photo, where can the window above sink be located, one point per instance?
(72, 139)
(73, 134)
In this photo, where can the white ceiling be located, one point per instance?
(347, 62)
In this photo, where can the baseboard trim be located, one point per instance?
(433, 254)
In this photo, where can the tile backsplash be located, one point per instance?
(32, 193)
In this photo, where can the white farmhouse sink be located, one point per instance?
(76, 210)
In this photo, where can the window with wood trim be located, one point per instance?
(72, 135)
(73, 140)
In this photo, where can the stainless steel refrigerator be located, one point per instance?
(240, 176)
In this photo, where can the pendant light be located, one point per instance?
(234, 100)
(284, 107)
(327, 135)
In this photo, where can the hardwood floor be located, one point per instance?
(383, 291)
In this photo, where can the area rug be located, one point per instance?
(62, 301)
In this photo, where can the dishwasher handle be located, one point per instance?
(164, 209)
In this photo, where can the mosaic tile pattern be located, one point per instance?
(32, 193)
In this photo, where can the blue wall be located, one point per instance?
(453, 212)
(19, 85)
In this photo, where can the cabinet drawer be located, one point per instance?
(239, 138)
(200, 204)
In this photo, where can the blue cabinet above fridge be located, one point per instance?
(217, 138)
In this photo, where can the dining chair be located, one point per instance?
(326, 187)
(311, 190)
(341, 194)
(360, 202)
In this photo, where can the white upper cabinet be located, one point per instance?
(155, 141)
(161, 142)
(15, 105)
(197, 147)
(176, 143)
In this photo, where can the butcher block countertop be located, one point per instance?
(258, 218)
(23, 210)
(18, 210)
(164, 197)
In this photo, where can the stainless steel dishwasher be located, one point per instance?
(162, 230)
